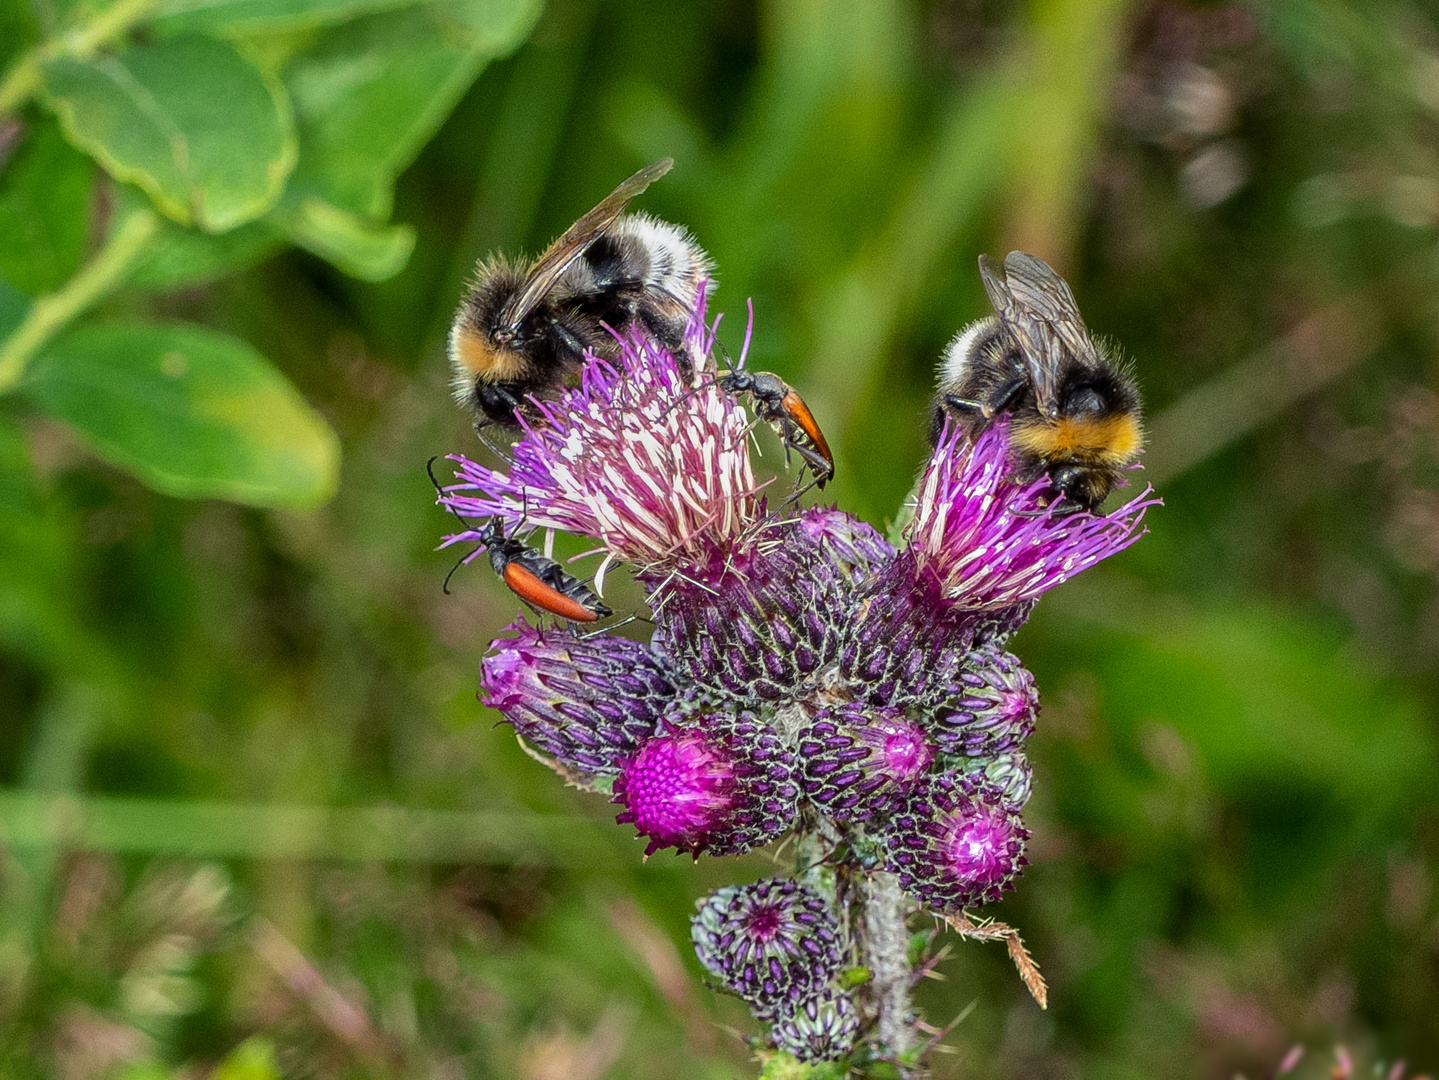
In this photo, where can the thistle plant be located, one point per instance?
(805, 677)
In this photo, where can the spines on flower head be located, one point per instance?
(824, 1028)
(775, 943)
(709, 783)
(956, 844)
(860, 760)
(586, 702)
(653, 467)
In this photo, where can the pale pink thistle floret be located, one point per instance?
(992, 543)
(652, 466)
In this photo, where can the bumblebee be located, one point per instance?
(520, 330)
(1074, 411)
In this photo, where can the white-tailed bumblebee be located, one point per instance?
(1074, 411)
(522, 329)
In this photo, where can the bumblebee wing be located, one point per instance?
(557, 258)
(1040, 290)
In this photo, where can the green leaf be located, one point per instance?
(358, 247)
(13, 305)
(264, 16)
(191, 412)
(44, 211)
(178, 257)
(206, 134)
(253, 1059)
(368, 95)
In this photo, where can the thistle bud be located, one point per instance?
(774, 943)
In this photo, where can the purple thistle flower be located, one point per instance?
(860, 761)
(588, 703)
(775, 942)
(763, 624)
(981, 550)
(709, 783)
(991, 543)
(956, 844)
(802, 673)
(989, 707)
(823, 1028)
(654, 468)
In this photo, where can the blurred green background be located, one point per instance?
(252, 815)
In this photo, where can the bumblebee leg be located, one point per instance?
(1006, 398)
(568, 337)
(498, 403)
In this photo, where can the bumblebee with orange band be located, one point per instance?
(540, 582)
(522, 329)
(1074, 411)
(776, 403)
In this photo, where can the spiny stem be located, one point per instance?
(884, 942)
(48, 314)
(23, 78)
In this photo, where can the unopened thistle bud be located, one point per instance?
(823, 1028)
(588, 703)
(987, 707)
(774, 943)
(953, 847)
(860, 760)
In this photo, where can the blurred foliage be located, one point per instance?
(255, 824)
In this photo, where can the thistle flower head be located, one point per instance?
(709, 782)
(775, 942)
(956, 844)
(988, 707)
(860, 760)
(587, 703)
(653, 467)
(990, 542)
(824, 1028)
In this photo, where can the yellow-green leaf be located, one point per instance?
(191, 412)
(204, 132)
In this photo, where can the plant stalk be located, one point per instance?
(50, 313)
(884, 946)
